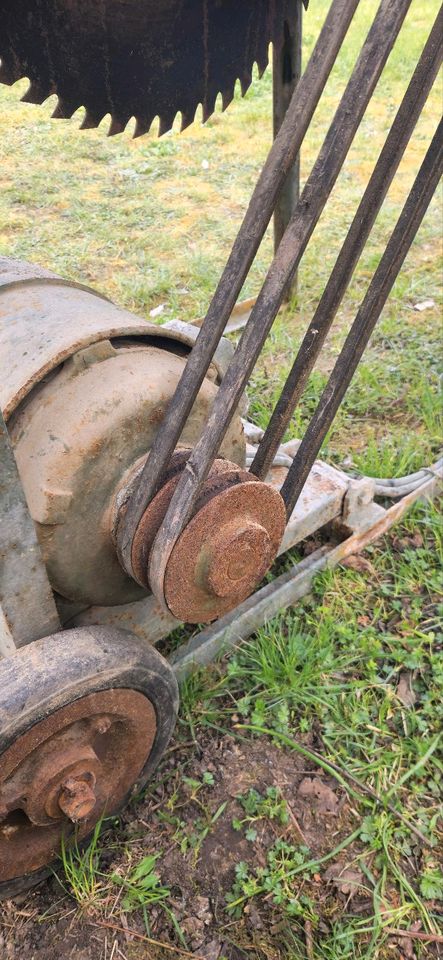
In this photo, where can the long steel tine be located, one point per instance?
(378, 186)
(367, 316)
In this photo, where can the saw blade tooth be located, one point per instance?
(142, 126)
(166, 122)
(208, 107)
(8, 74)
(187, 119)
(227, 96)
(245, 83)
(35, 93)
(91, 119)
(64, 109)
(117, 125)
(262, 63)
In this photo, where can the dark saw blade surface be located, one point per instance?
(141, 58)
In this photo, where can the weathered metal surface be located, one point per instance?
(137, 58)
(272, 178)
(378, 291)
(367, 71)
(76, 440)
(7, 644)
(226, 548)
(364, 219)
(197, 568)
(180, 332)
(359, 510)
(286, 72)
(102, 391)
(26, 602)
(19, 271)
(91, 705)
(77, 798)
(321, 501)
(147, 619)
(47, 774)
(44, 320)
(152, 518)
(249, 616)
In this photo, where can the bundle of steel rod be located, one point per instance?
(364, 78)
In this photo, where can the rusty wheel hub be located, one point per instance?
(71, 768)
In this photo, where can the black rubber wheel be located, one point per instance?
(51, 674)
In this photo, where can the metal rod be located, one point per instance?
(280, 160)
(378, 186)
(367, 316)
(286, 72)
(369, 66)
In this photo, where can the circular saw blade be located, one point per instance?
(137, 58)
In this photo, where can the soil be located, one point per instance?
(47, 924)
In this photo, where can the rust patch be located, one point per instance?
(225, 550)
(76, 764)
(155, 512)
(77, 798)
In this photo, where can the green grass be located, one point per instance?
(143, 890)
(81, 870)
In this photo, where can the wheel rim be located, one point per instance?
(67, 771)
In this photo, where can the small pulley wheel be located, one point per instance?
(85, 716)
(155, 512)
(225, 549)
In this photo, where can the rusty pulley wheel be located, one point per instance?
(224, 551)
(154, 514)
(84, 717)
(226, 548)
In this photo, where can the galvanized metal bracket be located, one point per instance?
(359, 509)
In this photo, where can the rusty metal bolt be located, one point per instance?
(102, 724)
(236, 557)
(77, 799)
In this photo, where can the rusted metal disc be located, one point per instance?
(154, 514)
(73, 766)
(225, 550)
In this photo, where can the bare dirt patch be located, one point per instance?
(47, 925)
